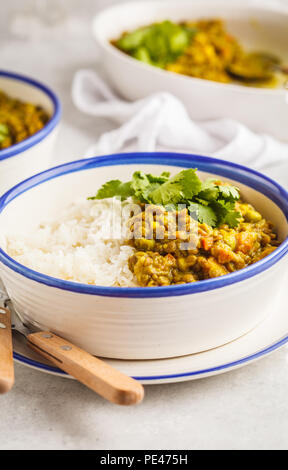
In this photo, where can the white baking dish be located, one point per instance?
(259, 26)
(141, 323)
(34, 154)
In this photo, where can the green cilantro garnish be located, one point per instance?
(177, 189)
(203, 213)
(226, 212)
(210, 202)
(212, 190)
(228, 192)
(232, 218)
(144, 184)
(114, 188)
(157, 44)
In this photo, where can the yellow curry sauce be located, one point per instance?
(203, 253)
(19, 120)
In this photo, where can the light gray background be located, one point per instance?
(247, 408)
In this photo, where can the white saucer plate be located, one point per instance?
(270, 335)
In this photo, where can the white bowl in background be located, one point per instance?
(147, 322)
(258, 26)
(34, 154)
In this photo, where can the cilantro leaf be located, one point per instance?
(180, 187)
(201, 201)
(165, 175)
(157, 44)
(140, 185)
(232, 218)
(226, 213)
(143, 184)
(130, 41)
(114, 188)
(228, 192)
(209, 190)
(204, 214)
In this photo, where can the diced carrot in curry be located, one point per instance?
(207, 243)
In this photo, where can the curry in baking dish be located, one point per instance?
(202, 49)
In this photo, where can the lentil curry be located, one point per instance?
(19, 120)
(211, 233)
(212, 252)
(202, 49)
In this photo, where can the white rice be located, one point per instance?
(78, 246)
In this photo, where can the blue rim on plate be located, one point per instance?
(239, 173)
(40, 135)
(228, 365)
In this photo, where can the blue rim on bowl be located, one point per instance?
(236, 172)
(47, 129)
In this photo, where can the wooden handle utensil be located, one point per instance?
(6, 352)
(92, 372)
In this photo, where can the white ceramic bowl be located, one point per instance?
(258, 26)
(141, 323)
(32, 155)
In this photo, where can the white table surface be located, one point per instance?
(243, 409)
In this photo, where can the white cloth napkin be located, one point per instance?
(161, 122)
